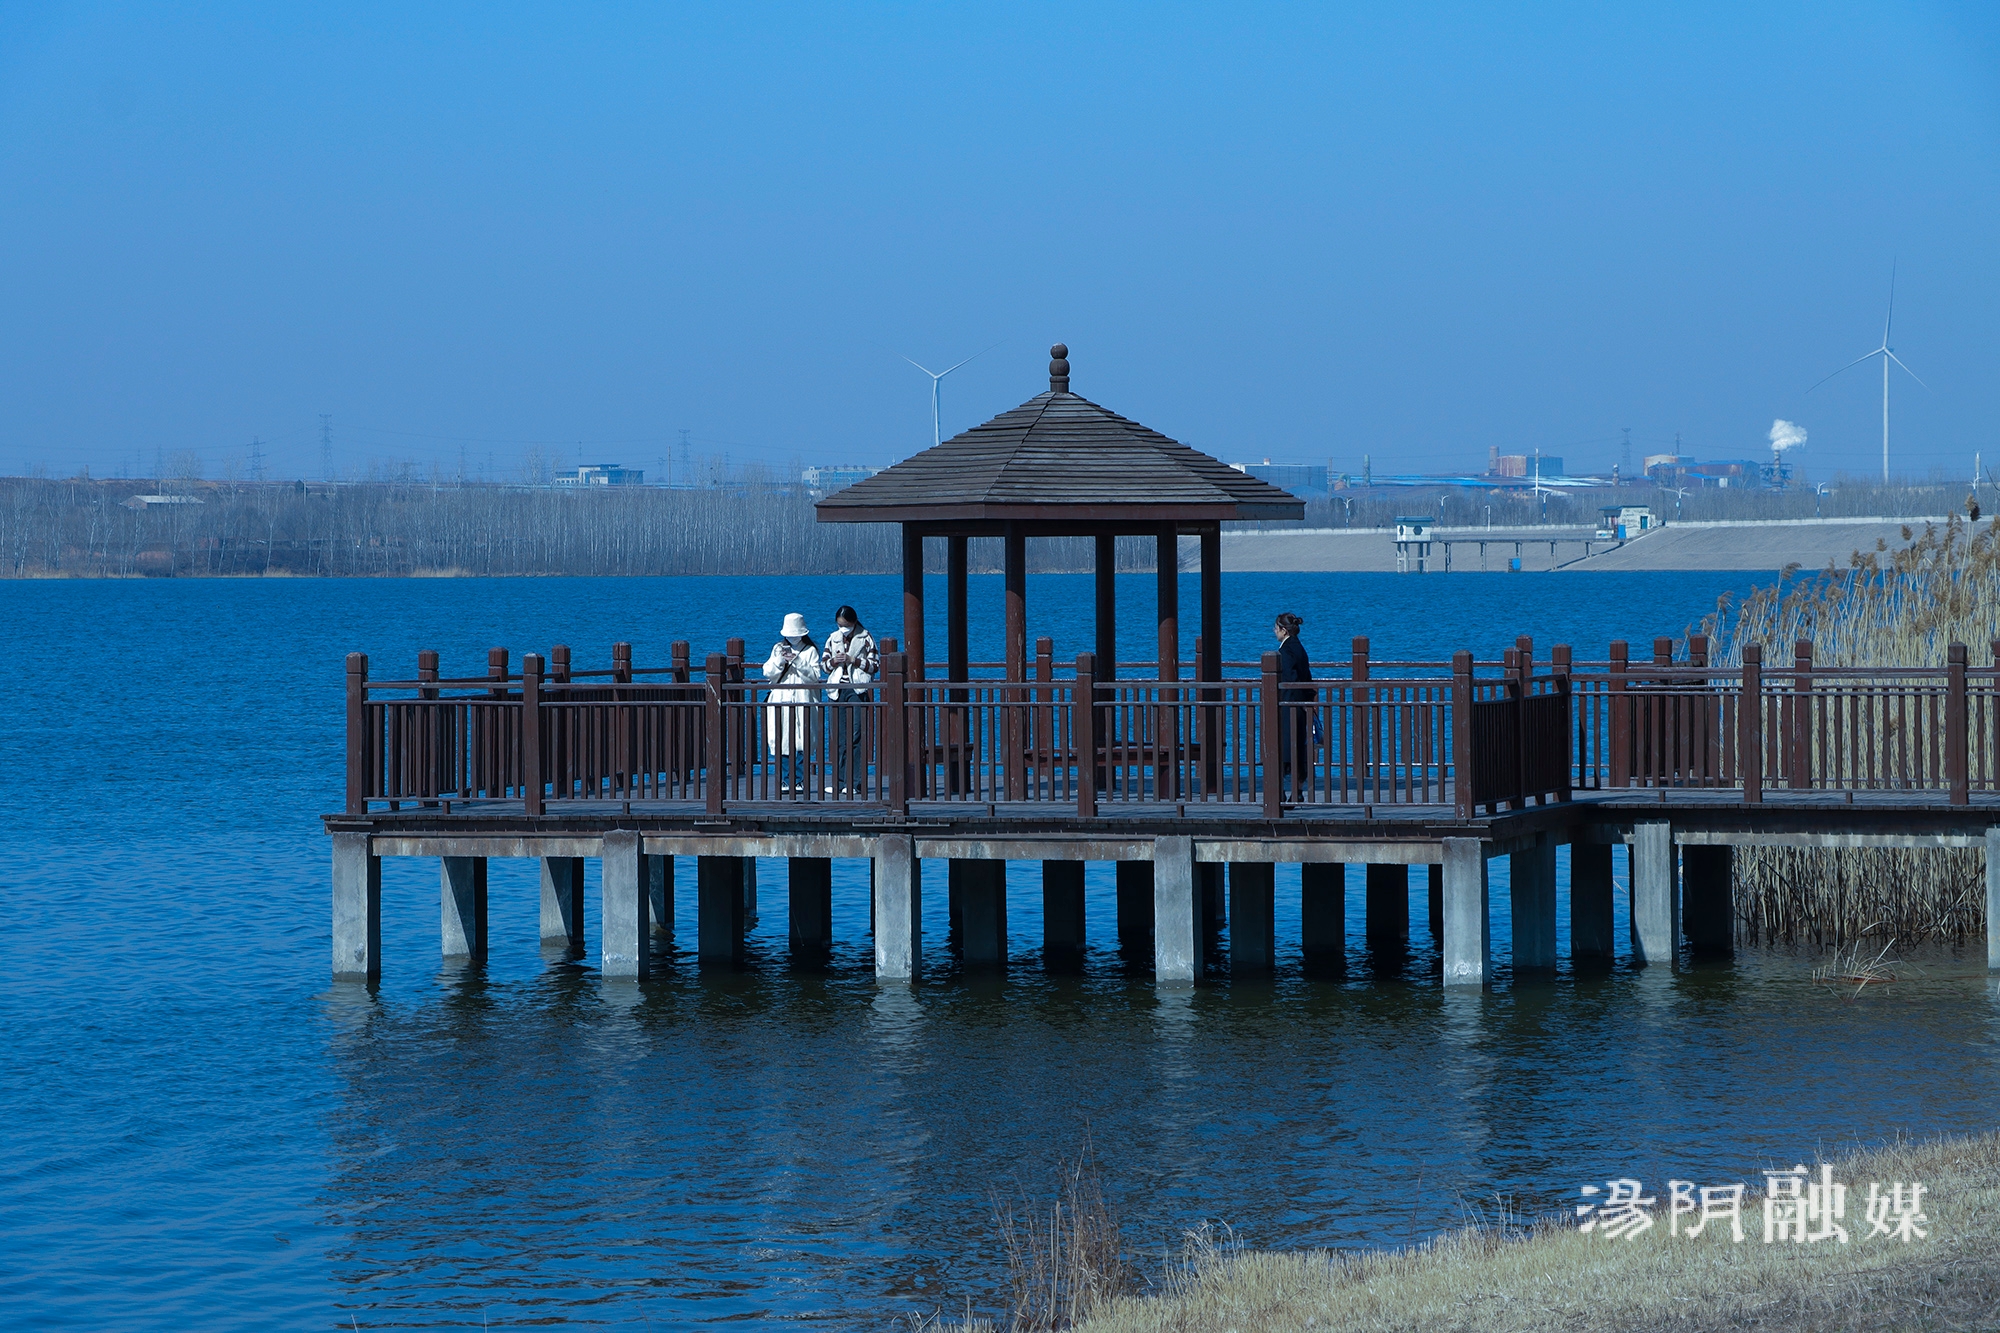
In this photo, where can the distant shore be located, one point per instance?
(1756, 545)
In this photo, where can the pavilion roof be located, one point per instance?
(1059, 458)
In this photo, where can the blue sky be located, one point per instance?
(471, 231)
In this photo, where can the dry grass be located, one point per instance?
(1833, 897)
(1498, 1277)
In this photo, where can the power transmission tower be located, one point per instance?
(256, 459)
(326, 445)
(687, 456)
(1626, 470)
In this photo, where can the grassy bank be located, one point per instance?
(1497, 1279)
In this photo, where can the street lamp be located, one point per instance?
(1818, 491)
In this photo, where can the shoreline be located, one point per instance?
(1499, 1278)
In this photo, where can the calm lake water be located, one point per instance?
(204, 1133)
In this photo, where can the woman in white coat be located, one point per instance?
(792, 668)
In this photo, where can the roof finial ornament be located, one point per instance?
(1059, 369)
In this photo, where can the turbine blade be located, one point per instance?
(974, 357)
(1849, 366)
(933, 374)
(1890, 318)
(1906, 370)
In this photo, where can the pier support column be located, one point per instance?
(1656, 894)
(1708, 912)
(1590, 884)
(1323, 913)
(1252, 917)
(1388, 889)
(749, 891)
(660, 893)
(1214, 911)
(357, 909)
(1062, 915)
(981, 889)
(462, 906)
(1531, 892)
(1992, 899)
(899, 909)
(562, 900)
(1434, 903)
(625, 907)
(1135, 905)
(1177, 928)
(809, 901)
(718, 909)
(1467, 943)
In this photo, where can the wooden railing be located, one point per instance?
(1475, 736)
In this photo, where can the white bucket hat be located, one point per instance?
(795, 626)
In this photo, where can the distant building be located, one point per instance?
(148, 501)
(1680, 470)
(1294, 477)
(824, 481)
(601, 474)
(1524, 465)
(1413, 543)
(1624, 522)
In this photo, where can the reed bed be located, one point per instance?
(1902, 608)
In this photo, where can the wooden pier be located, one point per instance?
(1390, 765)
(1171, 769)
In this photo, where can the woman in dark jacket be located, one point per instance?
(1294, 665)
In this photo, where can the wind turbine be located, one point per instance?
(937, 378)
(1887, 356)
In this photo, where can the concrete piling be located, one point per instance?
(1252, 917)
(1993, 900)
(982, 910)
(1062, 915)
(1177, 925)
(462, 906)
(1590, 883)
(625, 908)
(1531, 893)
(1388, 890)
(357, 909)
(749, 891)
(1323, 913)
(1434, 902)
(562, 900)
(899, 909)
(1467, 942)
(1135, 905)
(719, 909)
(660, 893)
(1707, 900)
(1656, 893)
(809, 901)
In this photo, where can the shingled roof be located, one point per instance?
(1059, 458)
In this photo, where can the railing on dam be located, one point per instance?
(1465, 734)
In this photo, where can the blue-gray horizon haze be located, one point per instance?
(487, 239)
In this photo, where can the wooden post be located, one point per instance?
(718, 753)
(894, 761)
(1560, 660)
(1013, 699)
(1800, 737)
(1083, 727)
(1464, 792)
(1167, 604)
(1273, 739)
(1516, 689)
(956, 654)
(1358, 697)
(559, 664)
(531, 733)
(1621, 715)
(496, 670)
(732, 659)
(621, 663)
(913, 599)
(1105, 570)
(1956, 751)
(1211, 602)
(1750, 724)
(679, 660)
(357, 733)
(427, 669)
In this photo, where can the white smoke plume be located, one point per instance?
(1786, 435)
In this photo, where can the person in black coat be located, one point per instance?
(1294, 665)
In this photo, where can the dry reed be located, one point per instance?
(1067, 1260)
(1902, 608)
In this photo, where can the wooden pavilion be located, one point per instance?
(1061, 466)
